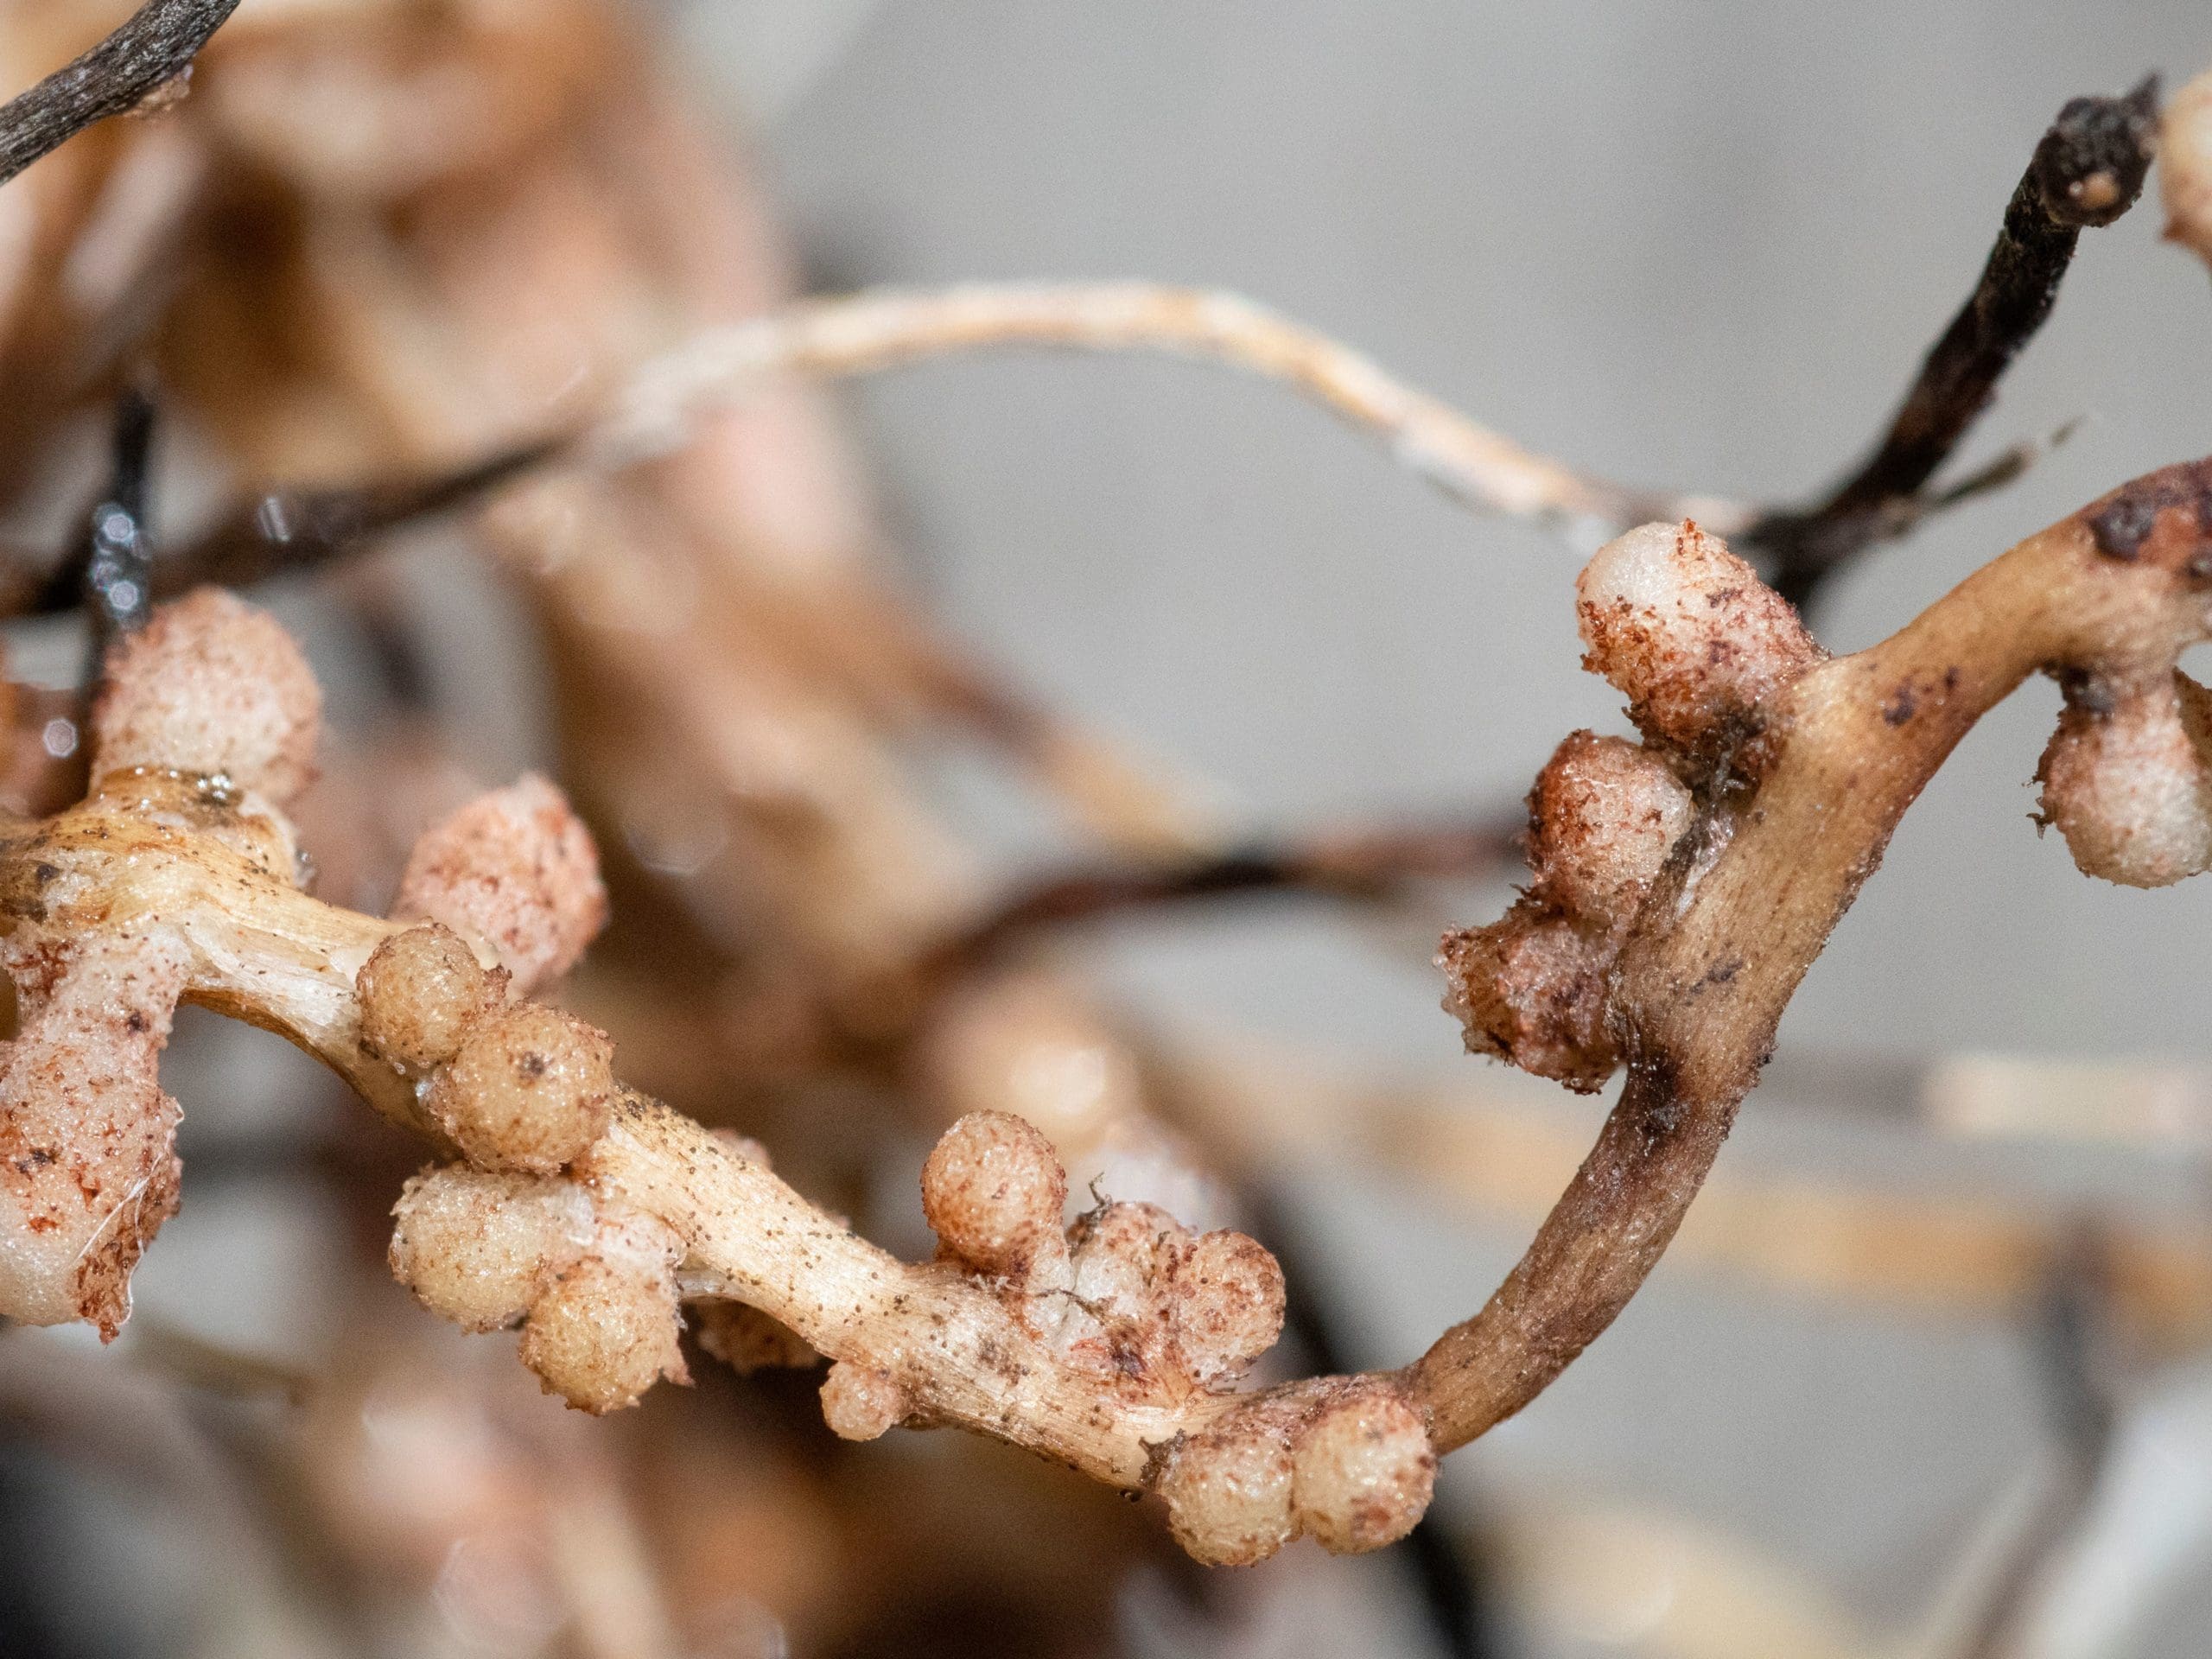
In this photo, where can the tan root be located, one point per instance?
(1800, 768)
(212, 713)
(1681, 888)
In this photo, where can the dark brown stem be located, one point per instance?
(283, 531)
(153, 49)
(279, 533)
(2088, 170)
(1602, 1238)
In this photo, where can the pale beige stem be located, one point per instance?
(263, 951)
(881, 328)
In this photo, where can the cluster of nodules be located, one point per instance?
(522, 1091)
(206, 724)
(1153, 1313)
(1699, 645)
(1345, 1460)
(1127, 1292)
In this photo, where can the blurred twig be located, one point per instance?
(2080, 167)
(2069, 1340)
(1361, 864)
(1493, 1153)
(182, 1356)
(134, 1425)
(286, 530)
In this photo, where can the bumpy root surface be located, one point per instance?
(1680, 886)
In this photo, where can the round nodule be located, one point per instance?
(531, 1089)
(419, 993)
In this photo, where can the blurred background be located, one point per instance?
(1930, 1381)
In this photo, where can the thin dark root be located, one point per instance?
(1454, 1596)
(118, 554)
(2088, 170)
(285, 533)
(282, 531)
(153, 49)
(1368, 865)
(2072, 1342)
